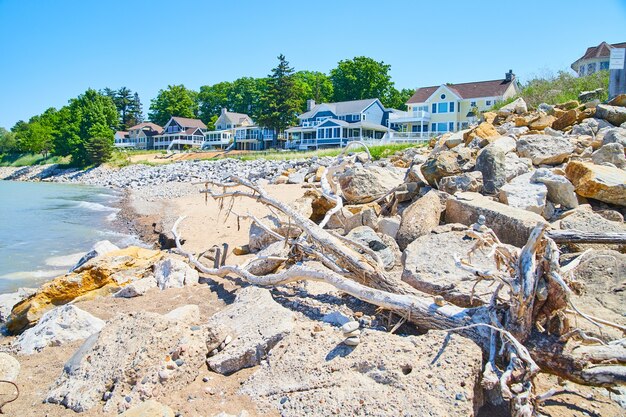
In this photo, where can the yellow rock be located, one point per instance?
(568, 105)
(318, 173)
(357, 208)
(566, 120)
(542, 122)
(241, 250)
(558, 112)
(490, 116)
(604, 183)
(484, 131)
(281, 179)
(114, 269)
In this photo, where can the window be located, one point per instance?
(472, 104)
(336, 132)
(320, 133)
(363, 116)
(488, 103)
(442, 107)
(433, 127)
(591, 68)
(452, 107)
(434, 110)
(443, 96)
(329, 132)
(604, 65)
(581, 70)
(451, 126)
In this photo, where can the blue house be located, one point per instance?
(336, 124)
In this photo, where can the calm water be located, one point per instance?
(45, 228)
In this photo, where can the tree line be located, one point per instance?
(84, 128)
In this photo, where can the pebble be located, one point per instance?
(357, 332)
(352, 341)
(228, 339)
(350, 326)
(179, 362)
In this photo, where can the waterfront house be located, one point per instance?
(451, 107)
(180, 132)
(141, 136)
(239, 131)
(596, 58)
(121, 140)
(335, 124)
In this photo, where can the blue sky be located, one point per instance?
(54, 50)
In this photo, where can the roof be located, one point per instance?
(121, 133)
(341, 108)
(186, 122)
(191, 130)
(492, 88)
(236, 118)
(152, 126)
(602, 50)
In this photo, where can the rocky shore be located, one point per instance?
(168, 331)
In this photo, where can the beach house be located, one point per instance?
(596, 58)
(239, 131)
(335, 124)
(180, 132)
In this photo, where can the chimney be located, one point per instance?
(509, 76)
(310, 103)
(224, 110)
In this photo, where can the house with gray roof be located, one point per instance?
(237, 130)
(336, 124)
(180, 131)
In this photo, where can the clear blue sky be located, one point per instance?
(54, 50)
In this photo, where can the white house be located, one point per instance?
(239, 131)
(180, 131)
(596, 58)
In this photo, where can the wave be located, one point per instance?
(67, 260)
(33, 275)
(96, 206)
(111, 217)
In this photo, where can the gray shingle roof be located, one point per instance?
(237, 118)
(341, 108)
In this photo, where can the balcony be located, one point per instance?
(409, 117)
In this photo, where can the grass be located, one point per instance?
(22, 160)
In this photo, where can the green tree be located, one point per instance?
(8, 142)
(212, 98)
(280, 103)
(176, 100)
(397, 98)
(135, 112)
(314, 85)
(123, 100)
(99, 149)
(361, 78)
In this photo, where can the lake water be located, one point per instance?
(45, 228)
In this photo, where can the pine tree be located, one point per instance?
(281, 102)
(135, 111)
(123, 100)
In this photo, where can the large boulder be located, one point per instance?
(510, 224)
(542, 122)
(485, 132)
(313, 374)
(365, 184)
(420, 218)
(112, 270)
(584, 219)
(134, 357)
(491, 162)
(9, 367)
(514, 166)
(544, 149)
(522, 193)
(616, 115)
(368, 237)
(604, 183)
(137, 288)
(560, 189)
(468, 181)
(612, 153)
(517, 106)
(615, 135)
(99, 248)
(7, 301)
(256, 324)
(268, 259)
(61, 325)
(442, 277)
(389, 226)
(444, 164)
(259, 238)
(174, 273)
(566, 120)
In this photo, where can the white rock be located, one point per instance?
(352, 341)
(560, 189)
(9, 367)
(173, 273)
(524, 194)
(336, 317)
(389, 226)
(350, 326)
(137, 288)
(189, 314)
(99, 248)
(7, 301)
(58, 326)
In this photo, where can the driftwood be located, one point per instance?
(575, 236)
(517, 335)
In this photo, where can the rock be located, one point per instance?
(259, 238)
(468, 181)
(615, 135)
(514, 166)
(7, 301)
(111, 271)
(443, 277)
(546, 108)
(618, 100)
(265, 265)
(189, 314)
(511, 225)
(544, 149)
(517, 106)
(542, 122)
(128, 362)
(585, 219)
(389, 226)
(352, 341)
(58, 326)
(363, 185)
(484, 131)
(506, 143)
(368, 237)
(241, 250)
(491, 163)
(599, 182)
(365, 217)
(350, 326)
(616, 115)
(560, 190)
(137, 288)
(296, 177)
(174, 273)
(522, 193)
(336, 318)
(149, 408)
(612, 153)
(568, 105)
(282, 179)
(420, 218)
(9, 367)
(257, 322)
(566, 120)
(385, 376)
(99, 248)
(443, 164)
